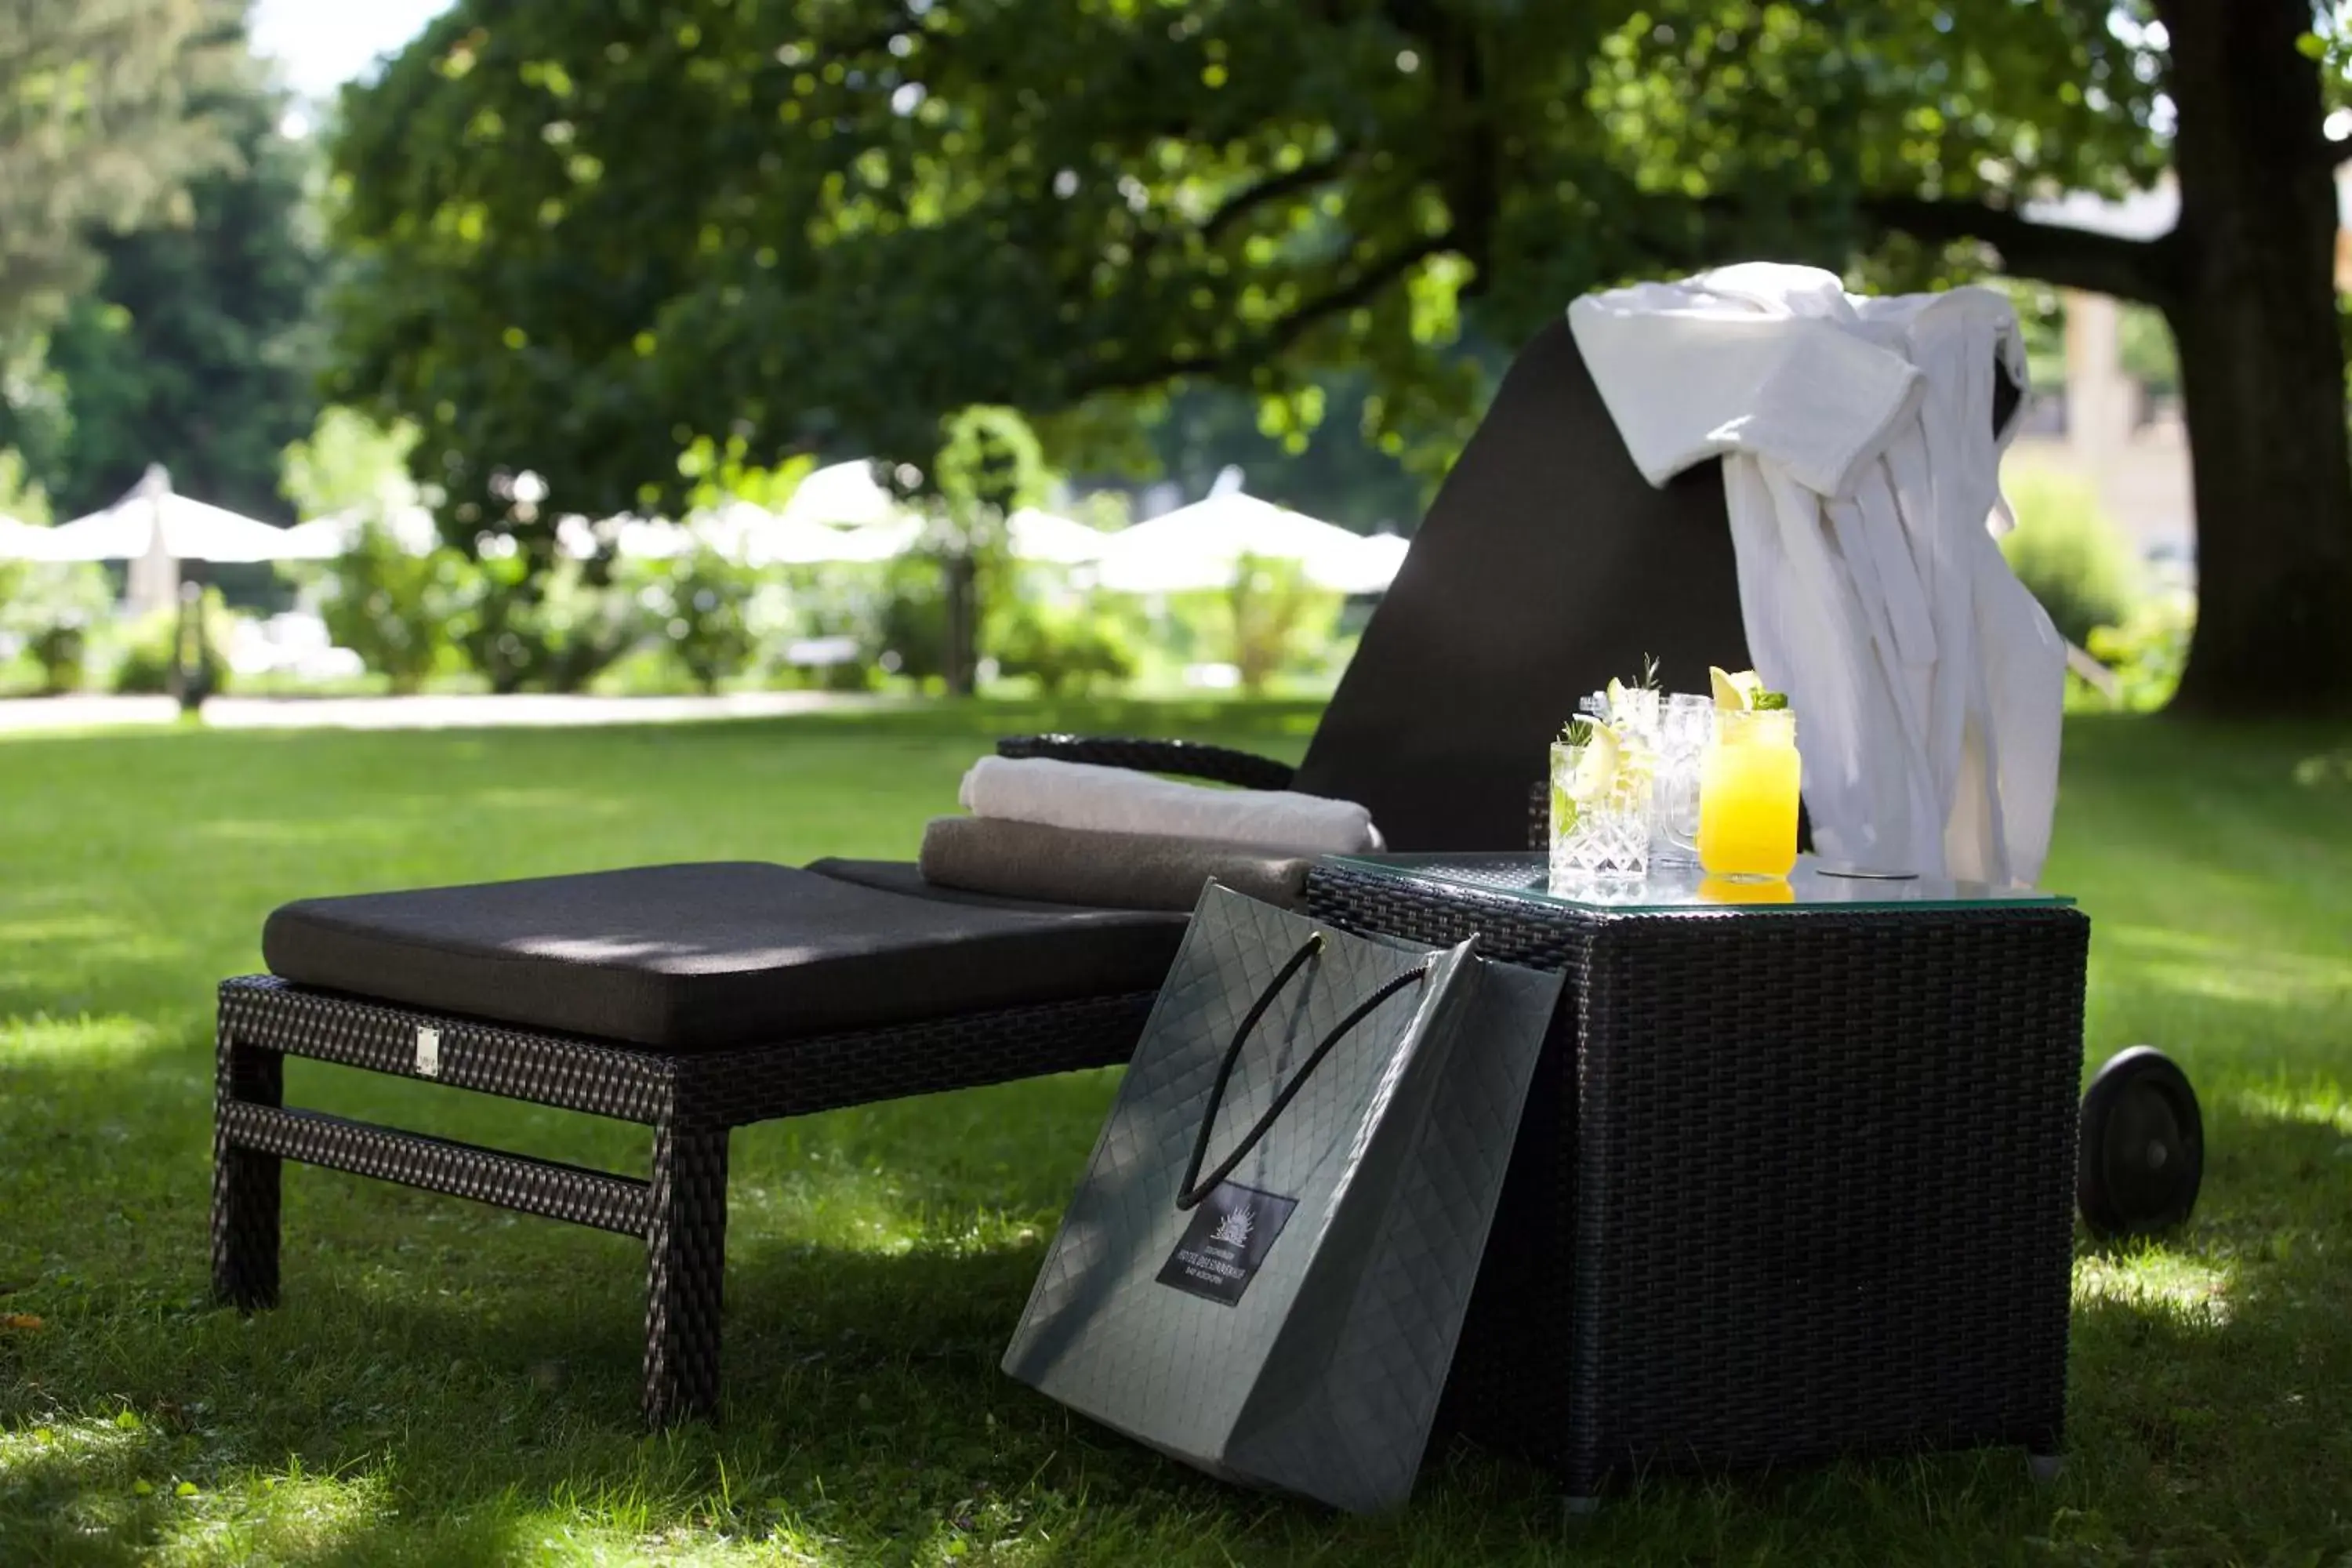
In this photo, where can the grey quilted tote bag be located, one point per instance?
(1265, 1271)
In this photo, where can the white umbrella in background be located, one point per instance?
(337, 534)
(155, 529)
(154, 516)
(1054, 541)
(758, 537)
(1201, 546)
(1384, 555)
(22, 541)
(845, 493)
(652, 539)
(877, 541)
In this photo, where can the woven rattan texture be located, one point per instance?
(618, 1081)
(689, 1099)
(685, 1260)
(1191, 758)
(736, 1087)
(543, 1187)
(245, 1181)
(1793, 1183)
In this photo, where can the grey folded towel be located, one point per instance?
(1118, 871)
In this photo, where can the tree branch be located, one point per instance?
(1363, 287)
(1273, 188)
(2146, 270)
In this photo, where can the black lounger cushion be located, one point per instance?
(699, 956)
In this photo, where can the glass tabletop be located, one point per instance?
(1815, 883)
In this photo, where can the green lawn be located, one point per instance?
(447, 1383)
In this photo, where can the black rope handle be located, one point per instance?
(1194, 1188)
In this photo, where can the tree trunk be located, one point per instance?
(2261, 364)
(962, 659)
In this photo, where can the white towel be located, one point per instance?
(1117, 800)
(1863, 476)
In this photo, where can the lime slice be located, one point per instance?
(1563, 811)
(1734, 692)
(1596, 771)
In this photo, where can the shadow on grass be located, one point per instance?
(384, 1416)
(865, 1421)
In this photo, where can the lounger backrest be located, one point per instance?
(1545, 566)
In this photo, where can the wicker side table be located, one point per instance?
(1795, 1180)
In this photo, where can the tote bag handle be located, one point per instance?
(1195, 1187)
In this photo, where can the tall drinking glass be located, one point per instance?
(1600, 813)
(1684, 728)
(1747, 796)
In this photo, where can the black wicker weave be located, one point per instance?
(690, 1101)
(1792, 1183)
(1220, 765)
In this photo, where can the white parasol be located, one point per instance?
(1201, 546)
(1040, 536)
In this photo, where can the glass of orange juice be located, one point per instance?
(1747, 795)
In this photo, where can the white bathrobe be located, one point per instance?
(1863, 479)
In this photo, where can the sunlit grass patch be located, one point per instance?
(2190, 1291)
(2196, 964)
(87, 1042)
(2315, 1104)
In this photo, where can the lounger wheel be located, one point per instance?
(2141, 1151)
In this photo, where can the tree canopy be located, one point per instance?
(824, 224)
(98, 130)
(199, 345)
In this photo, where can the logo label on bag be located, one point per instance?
(1231, 1233)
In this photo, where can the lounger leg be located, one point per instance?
(686, 1258)
(244, 1183)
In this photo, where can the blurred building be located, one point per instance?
(2106, 427)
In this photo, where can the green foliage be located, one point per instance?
(145, 665)
(103, 118)
(198, 349)
(990, 465)
(909, 632)
(53, 608)
(57, 609)
(346, 463)
(697, 608)
(529, 627)
(813, 601)
(2069, 552)
(1328, 455)
(1070, 649)
(714, 473)
(392, 608)
(20, 496)
(1277, 620)
(2042, 312)
(2144, 346)
(2147, 650)
(822, 226)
